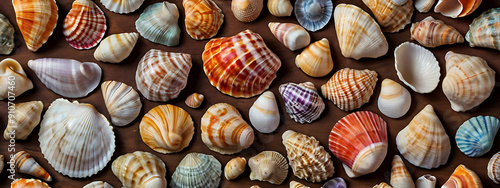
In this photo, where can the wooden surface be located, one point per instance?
(129, 140)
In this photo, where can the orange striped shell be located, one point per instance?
(203, 18)
(32, 183)
(85, 25)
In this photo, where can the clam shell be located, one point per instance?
(394, 100)
(313, 15)
(244, 67)
(293, 36)
(337, 182)
(115, 48)
(11, 70)
(159, 24)
(194, 100)
(67, 77)
(122, 101)
(431, 33)
(493, 168)
(98, 184)
(390, 16)
(302, 102)
(475, 136)
(463, 177)
(268, 166)
(140, 169)
(31, 183)
(234, 168)
(264, 113)
(316, 59)
(26, 117)
(382, 185)
(85, 25)
(349, 20)
(295, 184)
(6, 36)
(246, 10)
(424, 6)
(400, 177)
(161, 76)
(203, 18)
(122, 6)
(426, 181)
(280, 8)
(417, 67)
(91, 135)
(485, 30)
(27, 165)
(307, 157)
(456, 8)
(197, 170)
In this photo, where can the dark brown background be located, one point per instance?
(128, 138)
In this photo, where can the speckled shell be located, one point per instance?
(293, 36)
(159, 24)
(400, 177)
(122, 101)
(268, 166)
(203, 18)
(6, 36)
(234, 168)
(316, 59)
(98, 184)
(194, 100)
(382, 185)
(313, 15)
(337, 182)
(295, 184)
(424, 6)
(241, 65)
(463, 177)
(302, 102)
(122, 6)
(390, 16)
(26, 117)
(485, 30)
(27, 165)
(426, 181)
(115, 48)
(494, 168)
(246, 10)
(475, 136)
(161, 76)
(431, 33)
(394, 100)
(197, 170)
(31, 183)
(280, 8)
(307, 157)
(140, 169)
(456, 8)
(264, 113)
(85, 25)
(10, 67)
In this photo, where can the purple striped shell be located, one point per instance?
(302, 101)
(337, 182)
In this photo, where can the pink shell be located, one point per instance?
(85, 25)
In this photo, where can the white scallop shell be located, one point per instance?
(264, 114)
(122, 6)
(98, 184)
(115, 48)
(394, 100)
(122, 101)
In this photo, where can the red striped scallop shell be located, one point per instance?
(85, 25)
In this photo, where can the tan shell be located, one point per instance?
(246, 10)
(431, 33)
(27, 165)
(268, 166)
(31, 183)
(382, 185)
(194, 100)
(294, 184)
(280, 8)
(463, 177)
(98, 184)
(27, 116)
(400, 177)
(316, 59)
(493, 168)
(203, 18)
(115, 48)
(11, 70)
(234, 168)
(390, 16)
(122, 101)
(140, 169)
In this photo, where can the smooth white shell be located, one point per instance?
(417, 67)
(426, 181)
(264, 114)
(394, 100)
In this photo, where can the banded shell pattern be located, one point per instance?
(98, 184)
(400, 177)
(203, 18)
(11, 68)
(494, 168)
(293, 36)
(296, 184)
(140, 169)
(280, 8)
(159, 24)
(316, 59)
(423, 6)
(302, 102)
(26, 117)
(431, 33)
(484, 31)
(194, 100)
(27, 165)
(115, 48)
(391, 16)
(463, 177)
(197, 170)
(24, 183)
(85, 25)
(268, 166)
(264, 113)
(394, 100)
(475, 136)
(6, 36)
(122, 101)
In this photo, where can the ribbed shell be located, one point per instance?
(463, 177)
(494, 168)
(115, 48)
(456, 8)
(235, 167)
(426, 181)
(241, 65)
(390, 16)
(159, 24)
(394, 100)
(31, 183)
(484, 31)
(280, 8)
(98, 184)
(161, 76)
(302, 102)
(140, 170)
(122, 101)
(197, 170)
(295, 184)
(85, 25)
(264, 113)
(400, 177)
(6, 36)
(382, 185)
(313, 15)
(203, 18)
(316, 59)
(11, 68)
(336, 182)
(26, 117)
(431, 33)
(246, 10)
(293, 36)
(194, 100)
(423, 6)
(475, 136)
(268, 166)
(122, 6)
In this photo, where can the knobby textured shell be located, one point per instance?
(11, 69)
(194, 100)
(6, 36)
(166, 129)
(122, 101)
(122, 6)
(426, 181)
(264, 113)
(424, 6)
(400, 177)
(456, 8)
(463, 177)
(98, 184)
(26, 117)
(24, 183)
(161, 76)
(293, 36)
(337, 182)
(302, 101)
(268, 166)
(295, 184)
(197, 170)
(159, 24)
(390, 16)
(431, 33)
(115, 48)
(91, 135)
(316, 59)
(85, 25)
(280, 8)
(203, 18)
(394, 100)
(234, 168)
(475, 136)
(241, 65)
(494, 168)
(140, 169)
(246, 10)
(27, 165)
(485, 30)
(313, 15)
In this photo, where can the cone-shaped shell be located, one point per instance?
(313, 15)
(316, 59)
(280, 8)
(6, 36)
(424, 6)
(115, 48)
(400, 177)
(426, 181)
(140, 169)
(197, 170)
(358, 34)
(424, 142)
(85, 25)
(295, 184)
(32, 183)
(246, 10)
(302, 101)
(359, 140)
(224, 131)
(122, 6)
(485, 30)
(26, 117)
(293, 36)
(268, 166)
(468, 82)
(76, 139)
(203, 18)
(122, 101)
(456, 8)
(11, 70)
(98, 184)
(194, 100)
(431, 33)
(234, 168)
(337, 182)
(167, 129)
(241, 65)
(307, 157)
(475, 136)
(494, 168)
(264, 113)
(161, 76)
(159, 24)
(390, 16)
(463, 177)
(27, 165)
(382, 185)
(394, 100)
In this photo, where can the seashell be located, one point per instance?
(246, 10)
(122, 101)
(2, 163)
(417, 67)
(337, 182)
(98, 184)
(382, 185)
(390, 16)
(359, 140)
(203, 18)
(197, 170)
(67, 77)
(424, 142)
(115, 48)
(280, 8)
(394, 100)
(349, 88)
(194, 100)
(65, 121)
(26, 117)
(475, 136)
(431, 33)
(294, 184)
(140, 169)
(400, 177)
(268, 166)
(399, 2)
(36, 20)
(456, 8)
(302, 102)
(349, 20)
(307, 157)
(293, 36)
(493, 168)
(11, 70)
(31, 183)
(463, 177)
(255, 186)
(122, 6)
(161, 76)
(485, 30)
(224, 131)
(166, 129)
(6, 36)
(85, 25)
(264, 113)
(468, 82)
(234, 168)
(27, 165)
(240, 69)
(159, 24)
(426, 181)
(423, 6)
(313, 15)
(316, 59)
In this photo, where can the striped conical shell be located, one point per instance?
(390, 16)
(394, 100)
(431, 33)
(115, 48)
(140, 169)
(268, 166)
(280, 8)
(293, 36)
(203, 18)
(85, 25)
(463, 177)
(27, 116)
(122, 101)
(316, 59)
(11, 68)
(400, 177)
(159, 24)
(27, 165)
(197, 170)
(31, 183)
(485, 30)
(302, 101)
(122, 6)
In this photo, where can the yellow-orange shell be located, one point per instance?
(203, 18)
(31, 183)
(390, 16)
(463, 177)
(316, 59)
(431, 33)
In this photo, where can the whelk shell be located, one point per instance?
(295, 184)
(493, 168)
(122, 6)
(485, 30)
(302, 101)
(26, 117)
(122, 101)
(85, 25)
(27, 165)
(264, 113)
(456, 8)
(313, 15)
(293, 36)
(98, 184)
(234, 168)
(140, 169)
(424, 6)
(268, 166)
(463, 177)
(316, 59)
(475, 136)
(6, 36)
(203, 18)
(392, 17)
(394, 100)
(431, 33)
(194, 100)
(197, 170)
(426, 181)
(31, 183)
(115, 48)
(337, 182)
(246, 10)
(9, 69)
(280, 8)
(400, 177)
(159, 24)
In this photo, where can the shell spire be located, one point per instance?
(431, 33)
(264, 114)
(400, 177)
(27, 165)
(316, 59)
(394, 100)
(293, 36)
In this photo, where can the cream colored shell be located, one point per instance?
(98, 184)
(31, 183)
(295, 184)
(264, 113)
(268, 166)
(246, 10)
(234, 168)
(122, 101)
(426, 181)
(140, 170)
(316, 59)
(27, 165)
(394, 100)
(194, 100)
(280, 8)
(400, 177)
(391, 16)
(27, 116)
(13, 79)
(115, 48)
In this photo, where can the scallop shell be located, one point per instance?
(159, 24)
(122, 101)
(293, 36)
(91, 135)
(337, 182)
(98, 184)
(307, 157)
(194, 100)
(224, 131)
(493, 168)
(349, 89)
(241, 65)
(203, 18)
(382, 185)
(36, 20)
(313, 15)
(234, 168)
(264, 113)
(11, 70)
(463, 177)
(468, 82)
(349, 20)
(423, 6)
(485, 30)
(31, 183)
(161, 76)
(295, 184)
(431, 33)
(122, 6)
(316, 59)
(400, 177)
(167, 129)
(475, 136)
(390, 16)
(359, 140)
(280, 8)
(26, 117)
(197, 170)
(302, 102)
(417, 67)
(394, 100)
(426, 181)
(424, 142)
(85, 25)
(140, 169)
(456, 8)
(115, 48)
(27, 165)
(67, 77)
(246, 10)
(6, 36)
(268, 166)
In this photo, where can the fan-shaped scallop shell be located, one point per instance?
(140, 169)
(194, 100)
(197, 170)
(390, 16)
(31, 183)
(485, 30)
(336, 182)
(456, 8)
(203, 18)
(75, 138)
(67, 77)
(268, 166)
(159, 24)
(295, 184)
(307, 157)
(98, 184)
(293, 36)
(302, 102)
(161, 76)
(494, 168)
(264, 113)
(423, 6)
(166, 129)
(241, 65)
(26, 117)
(400, 177)
(85, 25)
(316, 59)
(27, 165)
(122, 101)
(280, 8)
(234, 168)
(431, 33)
(115, 48)
(6, 36)
(463, 177)
(122, 6)
(426, 181)
(11, 70)
(313, 15)
(394, 100)
(475, 136)
(246, 10)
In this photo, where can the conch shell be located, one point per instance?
(85, 25)
(246, 10)
(31, 183)
(293, 36)
(280, 8)
(26, 117)
(391, 16)
(6, 36)
(122, 101)
(159, 24)
(456, 8)
(316, 59)
(485, 30)
(234, 168)
(140, 169)
(203, 18)
(98, 184)
(264, 113)
(268, 166)
(194, 100)
(197, 170)
(27, 165)
(431, 33)
(463, 177)
(11, 70)
(400, 177)
(115, 48)
(122, 6)
(493, 168)
(394, 100)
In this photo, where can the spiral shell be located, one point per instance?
(494, 168)
(194, 100)
(122, 6)
(475, 136)
(293, 36)
(140, 169)
(98, 184)
(31, 183)
(26, 117)
(394, 100)
(234, 168)
(268, 166)
(313, 15)
(400, 177)
(6, 36)
(456, 8)
(197, 170)
(85, 25)
(431, 33)
(27, 165)
(11, 69)
(203, 18)
(246, 10)
(390, 16)
(159, 24)
(485, 30)
(463, 177)
(115, 48)
(302, 102)
(264, 113)
(316, 59)
(280, 8)
(122, 101)
(426, 181)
